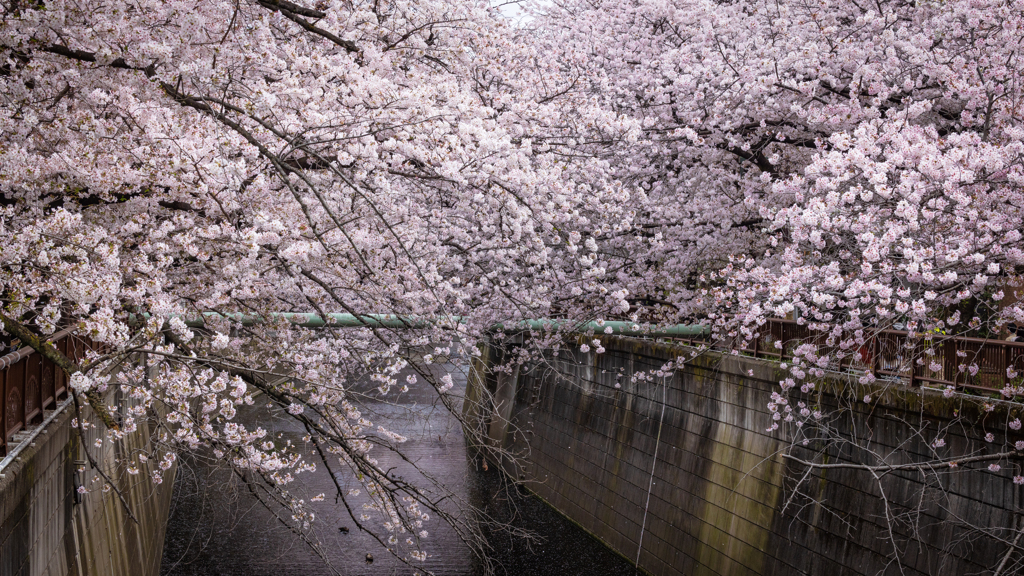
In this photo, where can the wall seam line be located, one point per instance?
(654, 464)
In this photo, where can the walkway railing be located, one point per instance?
(985, 365)
(31, 385)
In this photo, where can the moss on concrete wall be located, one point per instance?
(682, 472)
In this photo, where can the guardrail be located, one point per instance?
(30, 385)
(985, 365)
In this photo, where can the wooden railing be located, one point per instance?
(31, 385)
(915, 359)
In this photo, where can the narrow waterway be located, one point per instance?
(217, 528)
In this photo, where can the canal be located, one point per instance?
(217, 528)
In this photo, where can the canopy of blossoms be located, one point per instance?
(853, 164)
(165, 159)
(858, 166)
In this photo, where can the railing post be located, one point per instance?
(33, 389)
(913, 360)
(914, 357)
(949, 360)
(783, 339)
(874, 355)
(60, 385)
(3, 412)
(1006, 364)
(952, 362)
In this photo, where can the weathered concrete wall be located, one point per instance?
(47, 528)
(688, 458)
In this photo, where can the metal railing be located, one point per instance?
(985, 365)
(30, 385)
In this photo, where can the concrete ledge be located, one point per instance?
(47, 527)
(18, 474)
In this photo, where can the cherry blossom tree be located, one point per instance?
(813, 145)
(855, 166)
(173, 168)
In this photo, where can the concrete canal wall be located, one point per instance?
(47, 528)
(681, 472)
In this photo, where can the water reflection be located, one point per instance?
(217, 528)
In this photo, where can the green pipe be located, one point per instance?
(394, 321)
(305, 320)
(617, 327)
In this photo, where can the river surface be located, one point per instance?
(217, 528)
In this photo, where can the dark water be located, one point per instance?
(217, 528)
